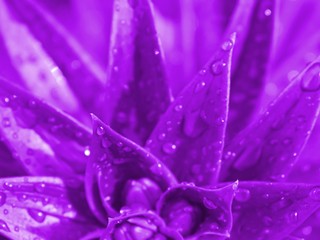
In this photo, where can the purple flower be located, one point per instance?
(160, 162)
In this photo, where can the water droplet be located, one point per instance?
(6, 122)
(40, 187)
(161, 136)
(32, 103)
(199, 86)
(169, 148)
(307, 230)
(156, 52)
(293, 217)
(2, 198)
(242, 195)
(178, 108)
(267, 12)
(5, 211)
(217, 67)
(315, 194)
(310, 81)
(4, 226)
(227, 45)
(87, 152)
(209, 203)
(101, 131)
(37, 215)
(16, 228)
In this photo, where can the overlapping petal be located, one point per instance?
(41, 207)
(137, 90)
(198, 213)
(254, 23)
(51, 62)
(189, 137)
(142, 225)
(122, 175)
(45, 141)
(264, 210)
(269, 147)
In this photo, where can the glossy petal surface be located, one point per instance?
(272, 210)
(254, 23)
(45, 141)
(67, 58)
(269, 147)
(198, 213)
(39, 207)
(115, 162)
(143, 225)
(137, 91)
(190, 135)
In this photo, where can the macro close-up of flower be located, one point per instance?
(159, 119)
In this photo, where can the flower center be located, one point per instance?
(141, 194)
(183, 216)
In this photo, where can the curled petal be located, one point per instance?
(42, 208)
(270, 146)
(49, 59)
(254, 23)
(122, 175)
(264, 210)
(45, 141)
(137, 92)
(191, 132)
(197, 212)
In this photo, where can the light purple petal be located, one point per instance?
(189, 137)
(254, 23)
(137, 90)
(43, 50)
(42, 208)
(198, 213)
(45, 141)
(264, 210)
(270, 146)
(117, 172)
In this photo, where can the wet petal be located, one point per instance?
(272, 210)
(141, 225)
(269, 147)
(137, 92)
(51, 59)
(121, 173)
(191, 132)
(45, 141)
(42, 208)
(254, 23)
(198, 213)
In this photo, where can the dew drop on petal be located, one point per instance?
(6, 122)
(4, 226)
(169, 148)
(37, 215)
(267, 12)
(87, 152)
(217, 67)
(100, 130)
(209, 204)
(315, 194)
(310, 81)
(178, 108)
(199, 86)
(242, 195)
(227, 45)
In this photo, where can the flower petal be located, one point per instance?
(269, 148)
(137, 92)
(8, 164)
(59, 57)
(119, 170)
(140, 225)
(198, 212)
(253, 21)
(42, 208)
(264, 210)
(44, 140)
(191, 132)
